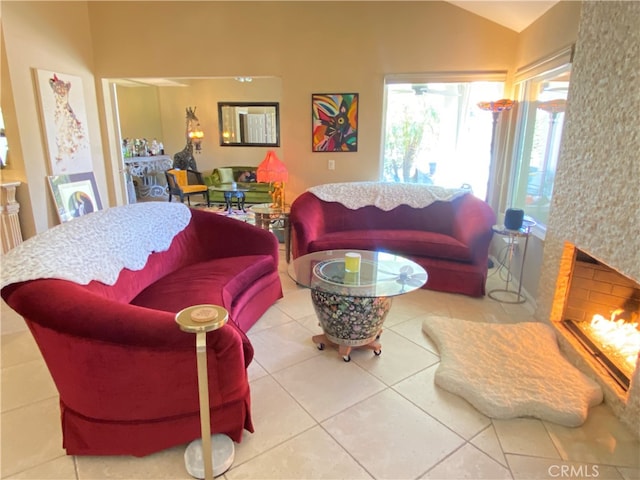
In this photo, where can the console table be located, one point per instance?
(147, 170)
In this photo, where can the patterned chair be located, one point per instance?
(179, 184)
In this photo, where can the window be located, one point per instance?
(542, 99)
(435, 133)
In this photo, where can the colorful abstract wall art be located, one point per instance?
(335, 122)
(65, 122)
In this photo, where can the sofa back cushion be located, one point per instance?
(225, 175)
(159, 264)
(437, 217)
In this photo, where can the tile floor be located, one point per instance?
(318, 417)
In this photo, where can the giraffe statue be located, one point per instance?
(184, 159)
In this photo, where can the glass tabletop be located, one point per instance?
(267, 209)
(381, 274)
(228, 188)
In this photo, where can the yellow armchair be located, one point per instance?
(178, 182)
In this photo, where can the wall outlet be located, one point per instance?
(331, 165)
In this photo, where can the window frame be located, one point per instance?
(524, 78)
(438, 77)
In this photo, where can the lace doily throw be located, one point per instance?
(385, 196)
(97, 246)
(511, 370)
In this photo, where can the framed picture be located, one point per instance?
(64, 117)
(335, 122)
(74, 195)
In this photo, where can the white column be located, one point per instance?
(10, 223)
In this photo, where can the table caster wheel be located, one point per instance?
(346, 358)
(377, 352)
(321, 346)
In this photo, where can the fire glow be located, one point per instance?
(618, 338)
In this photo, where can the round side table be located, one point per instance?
(509, 294)
(199, 455)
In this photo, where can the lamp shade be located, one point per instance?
(497, 106)
(271, 169)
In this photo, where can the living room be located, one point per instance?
(166, 39)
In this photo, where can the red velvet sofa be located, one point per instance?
(450, 239)
(125, 372)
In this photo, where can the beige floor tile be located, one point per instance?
(31, 436)
(61, 468)
(255, 371)
(533, 468)
(325, 385)
(273, 317)
(10, 321)
(525, 436)
(602, 439)
(391, 437)
(167, 464)
(468, 463)
(312, 454)
(18, 347)
(451, 410)
(296, 303)
(487, 441)
(412, 330)
(629, 473)
(282, 346)
(311, 323)
(403, 308)
(26, 383)
(277, 417)
(400, 358)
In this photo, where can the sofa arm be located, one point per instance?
(472, 225)
(218, 236)
(307, 222)
(137, 358)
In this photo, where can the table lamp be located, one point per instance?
(272, 170)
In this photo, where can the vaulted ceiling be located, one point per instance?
(515, 15)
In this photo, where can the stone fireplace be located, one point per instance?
(596, 199)
(602, 310)
(593, 303)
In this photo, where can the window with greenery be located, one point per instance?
(434, 132)
(542, 100)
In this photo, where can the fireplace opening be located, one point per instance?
(602, 311)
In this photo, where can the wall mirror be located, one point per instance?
(249, 124)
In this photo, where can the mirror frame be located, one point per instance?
(224, 128)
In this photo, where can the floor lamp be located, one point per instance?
(496, 108)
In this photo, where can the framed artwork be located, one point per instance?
(74, 195)
(335, 122)
(64, 117)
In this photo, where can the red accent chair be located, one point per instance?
(125, 372)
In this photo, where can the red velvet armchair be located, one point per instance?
(125, 372)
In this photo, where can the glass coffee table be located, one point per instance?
(352, 306)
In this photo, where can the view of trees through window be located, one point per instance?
(436, 134)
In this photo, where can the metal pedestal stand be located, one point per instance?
(200, 319)
(506, 294)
